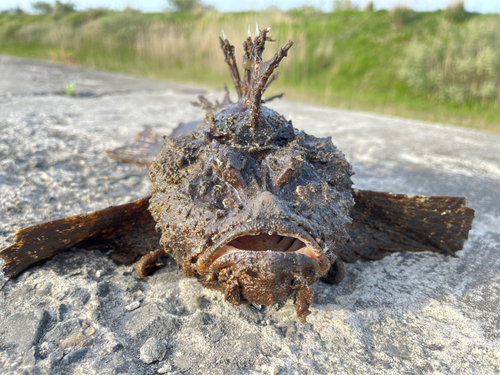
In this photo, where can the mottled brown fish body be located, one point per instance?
(227, 181)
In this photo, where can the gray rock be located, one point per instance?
(165, 369)
(64, 329)
(78, 296)
(100, 273)
(153, 350)
(22, 330)
(133, 306)
(52, 360)
(74, 356)
(44, 289)
(216, 335)
(62, 311)
(112, 343)
(102, 288)
(150, 320)
(201, 302)
(30, 357)
(127, 283)
(32, 370)
(201, 319)
(408, 313)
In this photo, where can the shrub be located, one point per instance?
(184, 5)
(460, 64)
(64, 8)
(42, 7)
(339, 5)
(401, 15)
(455, 12)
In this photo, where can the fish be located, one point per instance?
(249, 205)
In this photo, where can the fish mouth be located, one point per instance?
(265, 238)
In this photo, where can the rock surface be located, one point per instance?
(81, 313)
(153, 350)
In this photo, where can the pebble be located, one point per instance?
(100, 273)
(62, 311)
(52, 360)
(165, 369)
(75, 356)
(64, 329)
(102, 288)
(133, 306)
(46, 346)
(153, 350)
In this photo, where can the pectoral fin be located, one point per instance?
(383, 223)
(129, 229)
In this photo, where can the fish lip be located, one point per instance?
(280, 227)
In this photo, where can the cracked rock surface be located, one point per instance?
(82, 313)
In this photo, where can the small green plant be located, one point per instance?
(69, 89)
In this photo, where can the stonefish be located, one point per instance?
(249, 205)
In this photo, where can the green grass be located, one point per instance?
(344, 59)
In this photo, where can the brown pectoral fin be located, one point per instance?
(129, 229)
(383, 223)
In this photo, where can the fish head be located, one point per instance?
(258, 213)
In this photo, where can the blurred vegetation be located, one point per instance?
(459, 65)
(456, 12)
(437, 66)
(42, 7)
(401, 16)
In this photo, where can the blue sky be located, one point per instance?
(483, 6)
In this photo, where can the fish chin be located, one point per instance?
(264, 277)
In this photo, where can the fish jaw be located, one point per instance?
(263, 277)
(263, 261)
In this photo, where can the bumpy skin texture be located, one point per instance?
(229, 175)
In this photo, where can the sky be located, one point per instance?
(482, 6)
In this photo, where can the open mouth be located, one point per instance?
(268, 236)
(266, 242)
